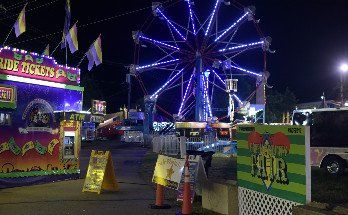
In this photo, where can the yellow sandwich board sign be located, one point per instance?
(168, 171)
(100, 173)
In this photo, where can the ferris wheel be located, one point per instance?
(184, 60)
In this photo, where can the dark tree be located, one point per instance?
(279, 103)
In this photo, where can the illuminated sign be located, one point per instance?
(157, 126)
(31, 65)
(98, 107)
(190, 124)
(8, 97)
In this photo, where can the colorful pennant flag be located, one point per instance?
(47, 50)
(71, 38)
(94, 54)
(19, 25)
(66, 23)
(90, 60)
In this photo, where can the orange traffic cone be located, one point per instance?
(186, 203)
(159, 199)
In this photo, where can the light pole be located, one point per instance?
(343, 70)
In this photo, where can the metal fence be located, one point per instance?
(173, 145)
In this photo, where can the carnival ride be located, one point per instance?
(199, 57)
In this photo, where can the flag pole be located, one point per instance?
(66, 53)
(3, 44)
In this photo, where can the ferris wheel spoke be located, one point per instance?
(201, 25)
(168, 62)
(245, 70)
(219, 78)
(160, 12)
(158, 43)
(155, 95)
(238, 100)
(189, 4)
(252, 45)
(212, 17)
(185, 95)
(231, 38)
(167, 69)
(188, 108)
(229, 58)
(167, 53)
(173, 86)
(226, 44)
(217, 86)
(234, 25)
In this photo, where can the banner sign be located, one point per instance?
(98, 107)
(31, 65)
(73, 116)
(168, 171)
(275, 160)
(100, 173)
(8, 96)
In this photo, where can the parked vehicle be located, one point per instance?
(328, 137)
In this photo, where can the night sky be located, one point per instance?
(310, 38)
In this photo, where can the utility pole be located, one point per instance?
(343, 70)
(341, 90)
(129, 81)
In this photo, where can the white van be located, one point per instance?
(329, 137)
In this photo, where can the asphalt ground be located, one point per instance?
(66, 197)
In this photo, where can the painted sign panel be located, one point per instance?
(98, 107)
(168, 171)
(100, 173)
(31, 144)
(274, 160)
(31, 65)
(8, 97)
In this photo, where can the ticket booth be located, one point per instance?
(36, 144)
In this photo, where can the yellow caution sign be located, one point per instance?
(100, 173)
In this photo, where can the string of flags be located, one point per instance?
(69, 37)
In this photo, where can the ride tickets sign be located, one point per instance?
(8, 96)
(274, 159)
(31, 65)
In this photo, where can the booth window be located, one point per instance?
(5, 119)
